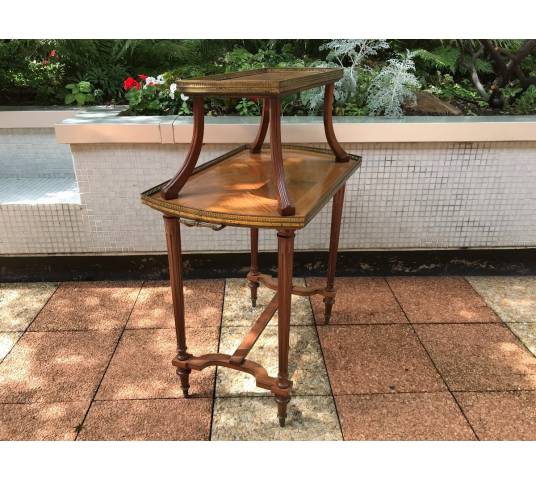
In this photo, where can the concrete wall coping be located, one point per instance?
(104, 125)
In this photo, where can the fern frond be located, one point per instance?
(442, 58)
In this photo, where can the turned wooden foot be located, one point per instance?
(184, 375)
(253, 286)
(328, 307)
(282, 403)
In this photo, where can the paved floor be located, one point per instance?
(408, 358)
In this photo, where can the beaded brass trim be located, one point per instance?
(236, 83)
(290, 222)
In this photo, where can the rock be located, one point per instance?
(428, 104)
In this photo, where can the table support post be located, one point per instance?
(256, 146)
(285, 205)
(285, 249)
(336, 215)
(254, 267)
(173, 239)
(335, 146)
(172, 189)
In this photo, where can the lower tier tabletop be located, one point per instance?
(238, 188)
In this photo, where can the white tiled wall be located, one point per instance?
(405, 196)
(33, 152)
(43, 229)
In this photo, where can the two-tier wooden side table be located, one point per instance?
(280, 187)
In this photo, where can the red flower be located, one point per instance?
(254, 99)
(130, 83)
(142, 77)
(52, 54)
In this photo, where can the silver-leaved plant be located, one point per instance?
(340, 53)
(394, 86)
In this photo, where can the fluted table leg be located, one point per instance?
(254, 268)
(284, 289)
(173, 238)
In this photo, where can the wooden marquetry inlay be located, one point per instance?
(237, 189)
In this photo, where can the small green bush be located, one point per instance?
(526, 103)
(81, 93)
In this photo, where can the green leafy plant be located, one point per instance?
(351, 56)
(526, 103)
(154, 96)
(81, 93)
(394, 86)
(441, 58)
(248, 107)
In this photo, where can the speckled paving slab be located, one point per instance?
(7, 340)
(306, 366)
(238, 312)
(155, 419)
(141, 366)
(88, 306)
(358, 300)
(512, 298)
(479, 357)
(402, 416)
(500, 415)
(255, 418)
(377, 359)
(41, 421)
(526, 332)
(21, 302)
(440, 300)
(202, 304)
(55, 366)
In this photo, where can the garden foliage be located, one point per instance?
(380, 77)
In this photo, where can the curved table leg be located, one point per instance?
(336, 214)
(335, 146)
(172, 189)
(263, 127)
(285, 205)
(285, 249)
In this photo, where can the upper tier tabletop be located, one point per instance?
(264, 81)
(238, 189)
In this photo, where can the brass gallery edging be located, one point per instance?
(293, 222)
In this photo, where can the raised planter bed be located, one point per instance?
(427, 183)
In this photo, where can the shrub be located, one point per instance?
(81, 93)
(393, 87)
(526, 103)
(154, 96)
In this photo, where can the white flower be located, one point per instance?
(184, 97)
(172, 89)
(160, 79)
(149, 81)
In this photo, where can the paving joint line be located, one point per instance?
(506, 324)
(301, 395)
(411, 323)
(332, 395)
(216, 369)
(80, 426)
(30, 323)
(432, 360)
